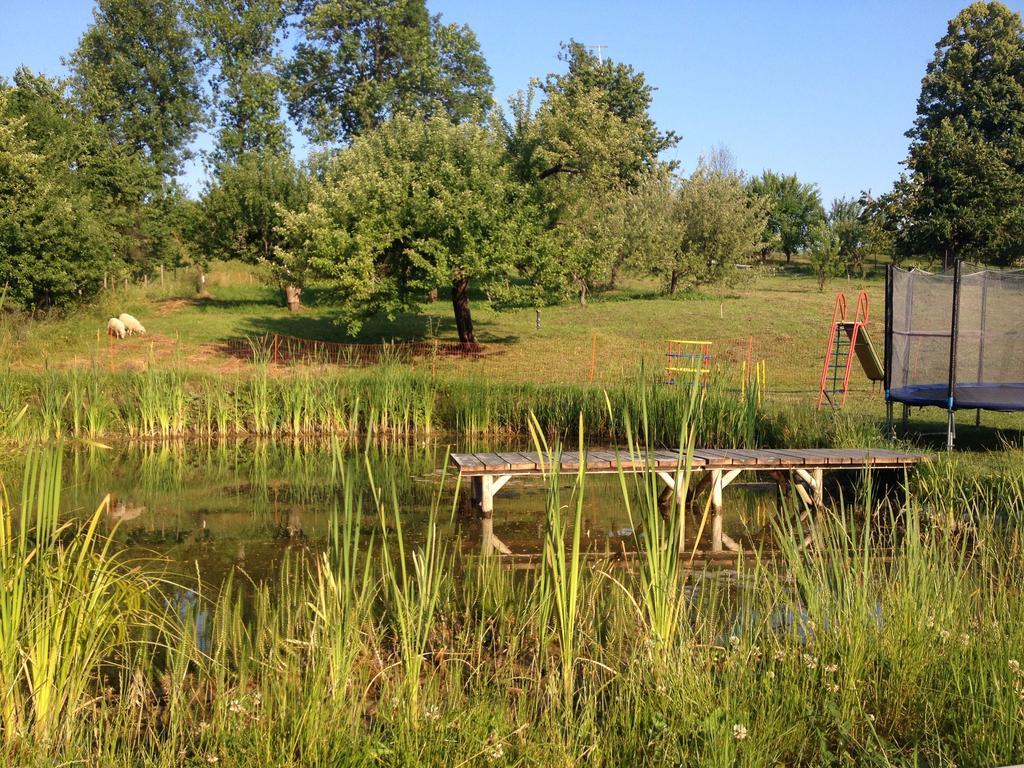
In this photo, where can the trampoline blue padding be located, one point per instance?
(989, 397)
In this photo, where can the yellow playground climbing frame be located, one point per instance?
(688, 359)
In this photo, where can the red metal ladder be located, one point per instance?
(842, 343)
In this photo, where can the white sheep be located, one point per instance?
(131, 324)
(116, 328)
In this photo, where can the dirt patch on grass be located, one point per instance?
(170, 306)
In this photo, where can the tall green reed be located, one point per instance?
(70, 611)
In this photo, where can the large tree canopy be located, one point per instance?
(240, 39)
(966, 156)
(794, 208)
(416, 204)
(713, 223)
(363, 61)
(56, 178)
(136, 71)
(581, 152)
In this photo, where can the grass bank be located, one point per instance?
(891, 642)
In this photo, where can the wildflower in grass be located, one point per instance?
(780, 655)
(432, 713)
(212, 759)
(965, 639)
(944, 635)
(734, 641)
(810, 661)
(755, 653)
(832, 687)
(494, 750)
(931, 621)
(1015, 666)
(871, 718)
(236, 706)
(831, 668)
(739, 732)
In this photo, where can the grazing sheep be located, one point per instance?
(131, 324)
(116, 328)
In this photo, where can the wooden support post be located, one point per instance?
(475, 489)
(819, 487)
(489, 487)
(490, 543)
(716, 509)
(486, 495)
(674, 483)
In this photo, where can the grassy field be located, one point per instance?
(784, 316)
(775, 314)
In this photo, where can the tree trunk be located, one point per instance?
(463, 318)
(432, 296)
(293, 297)
(200, 281)
(673, 283)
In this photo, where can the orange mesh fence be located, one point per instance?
(280, 349)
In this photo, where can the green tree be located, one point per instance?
(582, 152)
(966, 156)
(243, 211)
(54, 235)
(794, 208)
(241, 40)
(416, 204)
(135, 71)
(720, 226)
(824, 252)
(362, 61)
(622, 91)
(848, 220)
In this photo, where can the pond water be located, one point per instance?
(206, 508)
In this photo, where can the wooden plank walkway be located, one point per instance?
(489, 472)
(704, 459)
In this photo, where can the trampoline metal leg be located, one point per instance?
(906, 418)
(950, 431)
(977, 418)
(890, 426)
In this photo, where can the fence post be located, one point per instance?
(593, 356)
(275, 349)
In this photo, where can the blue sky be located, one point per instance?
(824, 89)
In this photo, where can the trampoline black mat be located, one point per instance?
(989, 397)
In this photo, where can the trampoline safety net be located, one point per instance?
(985, 309)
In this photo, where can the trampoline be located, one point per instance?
(954, 340)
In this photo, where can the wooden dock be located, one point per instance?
(803, 468)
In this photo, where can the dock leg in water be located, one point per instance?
(719, 540)
(488, 489)
(489, 542)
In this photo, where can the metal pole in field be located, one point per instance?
(953, 333)
(887, 352)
